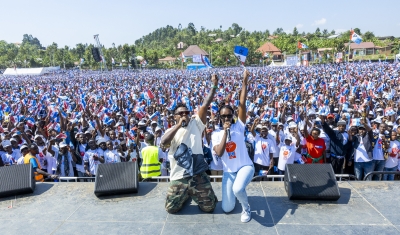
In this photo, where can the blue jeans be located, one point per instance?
(234, 184)
(363, 168)
(389, 176)
(378, 166)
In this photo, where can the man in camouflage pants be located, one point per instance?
(186, 156)
(197, 187)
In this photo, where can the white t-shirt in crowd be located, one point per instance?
(287, 155)
(393, 158)
(193, 134)
(262, 150)
(93, 164)
(111, 156)
(238, 155)
(377, 152)
(272, 134)
(10, 158)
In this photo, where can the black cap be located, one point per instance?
(149, 137)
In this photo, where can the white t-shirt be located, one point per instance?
(393, 159)
(238, 156)
(193, 134)
(262, 150)
(10, 158)
(377, 152)
(93, 164)
(111, 156)
(272, 134)
(286, 155)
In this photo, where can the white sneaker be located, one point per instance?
(246, 215)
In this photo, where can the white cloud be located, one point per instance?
(320, 22)
(299, 26)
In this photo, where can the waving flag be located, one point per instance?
(301, 45)
(148, 94)
(241, 53)
(172, 105)
(206, 62)
(355, 37)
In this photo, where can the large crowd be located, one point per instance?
(68, 122)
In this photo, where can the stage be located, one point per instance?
(72, 208)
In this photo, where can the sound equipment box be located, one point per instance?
(311, 182)
(16, 180)
(96, 54)
(116, 178)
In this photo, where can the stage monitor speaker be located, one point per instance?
(96, 54)
(116, 178)
(16, 180)
(311, 182)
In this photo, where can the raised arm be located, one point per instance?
(253, 127)
(204, 107)
(243, 96)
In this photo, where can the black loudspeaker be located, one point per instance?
(311, 182)
(96, 54)
(309, 56)
(116, 178)
(16, 179)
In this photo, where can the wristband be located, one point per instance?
(215, 87)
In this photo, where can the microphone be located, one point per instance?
(183, 123)
(228, 132)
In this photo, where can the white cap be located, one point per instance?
(389, 123)
(6, 143)
(259, 126)
(158, 129)
(153, 122)
(62, 145)
(377, 120)
(101, 140)
(288, 137)
(292, 125)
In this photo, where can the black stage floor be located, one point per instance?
(72, 208)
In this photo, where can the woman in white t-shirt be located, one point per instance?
(392, 163)
(229, 145)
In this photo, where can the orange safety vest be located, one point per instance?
(27, 160)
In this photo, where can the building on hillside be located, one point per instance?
(218, 40)
(194, 50)
(167, 60)
(271, 51)
(367, 48)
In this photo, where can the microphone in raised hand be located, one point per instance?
(228, 132)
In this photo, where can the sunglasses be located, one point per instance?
(226, 116)
(182, 113)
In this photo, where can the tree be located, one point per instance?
(333, 32)
(192, 28)
(295, 32)
(325, 33)
(357, 31)
(278, 31)
(317, 32)
(368, 36)
(31, 40)
(236, 28)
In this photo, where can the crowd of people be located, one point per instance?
(68, 122)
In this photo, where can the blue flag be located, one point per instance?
(241, 53)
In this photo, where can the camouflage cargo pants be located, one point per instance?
(197, 187)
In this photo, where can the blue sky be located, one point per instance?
(122, 21)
